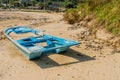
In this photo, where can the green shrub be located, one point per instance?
(1, 6)
(71, 16)
(107, 12)
(116, 30)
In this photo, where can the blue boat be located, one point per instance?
(31, 46)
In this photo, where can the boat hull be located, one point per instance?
(31, 46)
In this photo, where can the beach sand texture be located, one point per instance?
(78, 63)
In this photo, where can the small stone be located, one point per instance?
(60, 33)
(73, 77)
(104, 56)
(58, 74)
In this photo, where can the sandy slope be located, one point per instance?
(76, 64)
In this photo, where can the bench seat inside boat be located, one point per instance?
(32, 40)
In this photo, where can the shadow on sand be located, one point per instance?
(46, 62)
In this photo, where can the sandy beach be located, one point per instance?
(93, 59)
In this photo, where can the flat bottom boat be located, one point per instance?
(32, 47)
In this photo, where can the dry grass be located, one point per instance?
(106, 12)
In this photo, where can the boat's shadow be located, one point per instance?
(66, 58)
